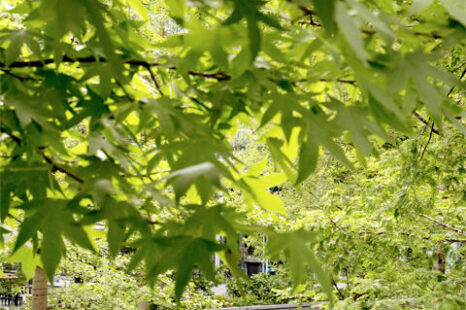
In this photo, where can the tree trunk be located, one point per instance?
(39, 290)
(143, 305)
(439, 265)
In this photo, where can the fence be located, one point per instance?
(10, 299)
(307, 306)
(15, 300)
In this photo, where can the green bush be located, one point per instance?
(265, 289)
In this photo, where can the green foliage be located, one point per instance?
(380, 225)
(265, 289)
(106, 285)
(108, 118)
(258, 290)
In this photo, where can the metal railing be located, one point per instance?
(305, 306)
(10, 299)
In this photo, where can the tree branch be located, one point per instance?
(12, 136)
(444, 225)
(16, 76)
(344, 81)
(152, 222)
(461, 77)
(419, 117)
(311, 13)
(55, 166)
(428, 141)
(220, 76)
(454, 240)
(154, 80)
(340, 294)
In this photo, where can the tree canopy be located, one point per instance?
(124, 112)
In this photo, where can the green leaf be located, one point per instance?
(29, 228)
(295, 246)
(356, 121)
(254, 35)
(115, 236)
(3, 231)
(325, 9)
(258, 168)
(308, 155)
(76, 233)
(379, 24)
(281, 159)
(52, 248)
(456, 8)
(140, 8)
(350, 30)
(53, 218)
(177, 8)
(319, 133)
(419, 5)
(258, 189)
(196, 253)
(182, 179)
(17, 40)
(5, 194)
(249, 9)
(28, 259)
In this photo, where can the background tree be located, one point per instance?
(86, 139)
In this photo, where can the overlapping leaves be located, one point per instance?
(75, 81)
(55, 220)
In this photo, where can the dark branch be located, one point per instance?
(428, 141)
(461, 77)
(454, 240)
(311, 13)
(152, 222)
(444, 225)
(340, 294)
(16, 76)
(90, 59)
(419, 117)
(125, 92)
(154, 80)
(220, 76)
(12, 136)
(57, 167)
(344, 81)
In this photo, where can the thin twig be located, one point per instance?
(461, 77)
(311, 13)
(12, 136)
(444, 225)
(428, 141)
(145, 175)
(14, 217)
(154, 80)
(338, 290)
(16, 76)
(454, 240)
(125, 91)
(343, 81)
(152, 222)
(57, 167)
(457, 67)
(419, 117)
